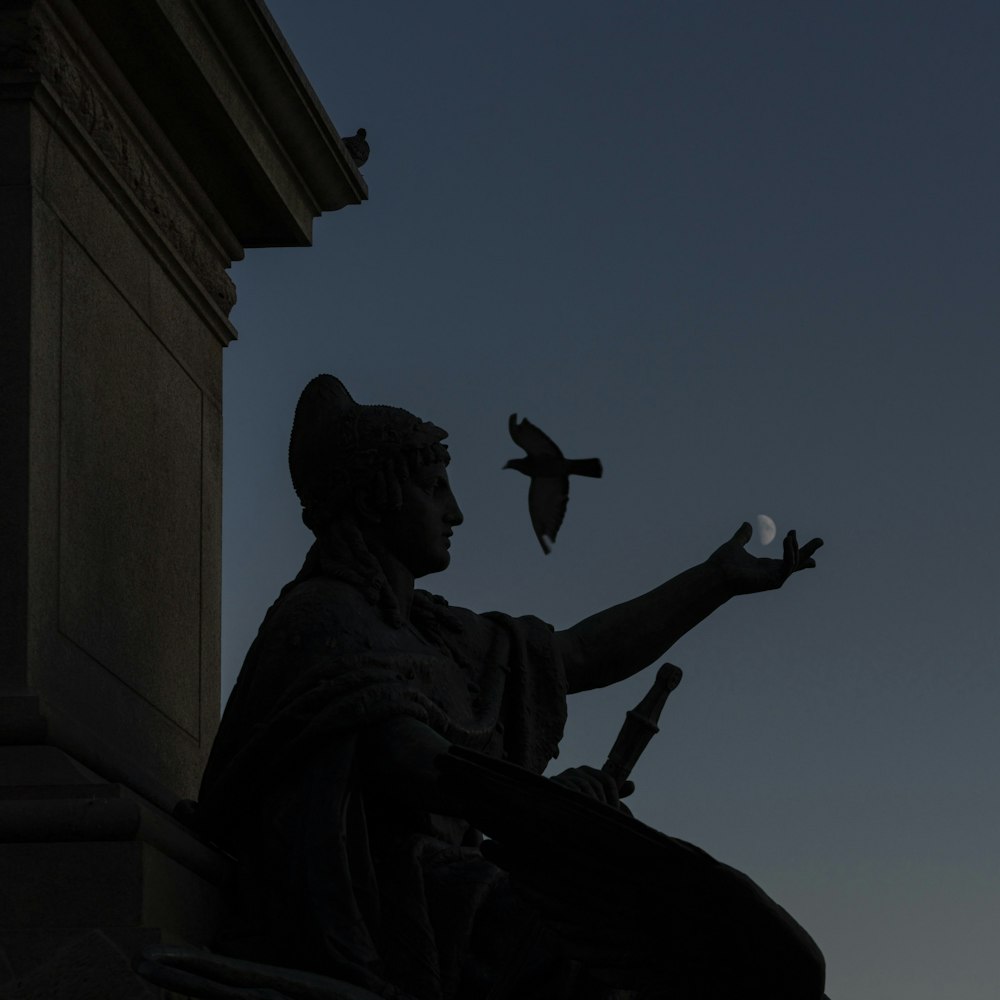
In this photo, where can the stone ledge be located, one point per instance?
(100, 883)
(92, 874)
(87, 967)
(236, 107)
(84, 117)
(48, 797)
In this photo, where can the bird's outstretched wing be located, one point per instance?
(547, 498)
(534, 441)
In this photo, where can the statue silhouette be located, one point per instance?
(376, 733)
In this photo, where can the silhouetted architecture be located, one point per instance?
(375, 733)
(143, 145)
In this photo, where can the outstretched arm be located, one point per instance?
(619, 642)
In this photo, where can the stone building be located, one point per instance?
(144, 144)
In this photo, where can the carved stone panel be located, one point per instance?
(130, 497)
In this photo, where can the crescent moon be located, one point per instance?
(766, 529)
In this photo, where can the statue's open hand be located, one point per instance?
(593, 783)
(747, 574)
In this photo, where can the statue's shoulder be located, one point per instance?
(471, 632)
(447, 616)
(322, 596)
(318, 609)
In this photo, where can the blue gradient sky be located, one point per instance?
(747, 254)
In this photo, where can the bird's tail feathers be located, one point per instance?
(586, 467)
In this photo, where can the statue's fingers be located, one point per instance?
(606, 784)
(743, 534)
(790, 551)
(810, 547)
(805, 559)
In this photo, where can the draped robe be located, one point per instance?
(334, 877)
(337, 878)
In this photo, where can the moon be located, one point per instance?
(766, 529)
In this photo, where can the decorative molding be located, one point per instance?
(42, 52)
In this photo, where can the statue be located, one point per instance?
(375, 730)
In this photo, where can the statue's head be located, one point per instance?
(372, 466)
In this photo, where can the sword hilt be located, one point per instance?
(640, 724)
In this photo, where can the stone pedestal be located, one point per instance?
(92, 872)
(143, 145)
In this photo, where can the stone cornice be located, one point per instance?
(196, 108)
(277, 86)
(42, 53)
(220, 81)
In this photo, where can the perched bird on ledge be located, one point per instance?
(549, 472)
(357, 146)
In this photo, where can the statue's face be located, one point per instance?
(419, 533)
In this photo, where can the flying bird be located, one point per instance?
(357, 146)
(549, 472)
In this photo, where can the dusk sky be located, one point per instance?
(748, 255)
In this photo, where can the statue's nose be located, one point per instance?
(455, 515)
